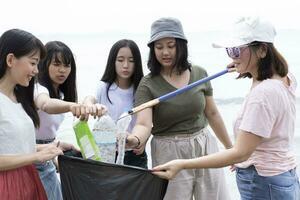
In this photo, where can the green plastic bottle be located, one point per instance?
(86, 141)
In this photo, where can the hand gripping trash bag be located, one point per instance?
(91, 180)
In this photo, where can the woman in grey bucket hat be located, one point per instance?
(179, 124)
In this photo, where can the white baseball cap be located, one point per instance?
(247, 30)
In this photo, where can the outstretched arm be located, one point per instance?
(52, 105)
(245, 145)
(57, 106)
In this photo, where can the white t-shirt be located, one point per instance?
(17, 135)
(122, 100)
(49, 123)
(269, 111)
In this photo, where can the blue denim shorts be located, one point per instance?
(47, 173)
(252, 186)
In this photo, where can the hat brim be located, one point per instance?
(166, 34)
(229, 43)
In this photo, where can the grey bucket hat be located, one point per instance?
(166, 27)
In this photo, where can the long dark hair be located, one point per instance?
(181, 61)
(61, 53)
(21, 43)
(272, 63)
(110, 74)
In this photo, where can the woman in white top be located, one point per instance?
(20, 53)
(117, 87)
(55, 94)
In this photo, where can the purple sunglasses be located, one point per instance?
(235, 52)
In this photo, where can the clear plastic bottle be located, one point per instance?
(105, 136)
(122, 126)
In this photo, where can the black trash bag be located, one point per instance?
(90, 180)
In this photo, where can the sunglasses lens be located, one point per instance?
(233, 52)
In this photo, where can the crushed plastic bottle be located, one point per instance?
(122, 126)
(105, 136)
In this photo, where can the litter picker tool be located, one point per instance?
(174, 93)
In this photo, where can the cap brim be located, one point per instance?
(229, 43)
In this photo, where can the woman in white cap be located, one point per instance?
(265, 126)
(179, 124)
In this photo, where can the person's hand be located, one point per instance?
(232, 168)
(47, 152)
(140, 149)
(66, 146)
(96, 110)
(231, 67)
(83, 111)
(80, 111)
(169, 169)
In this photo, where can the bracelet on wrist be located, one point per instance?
(139, 141)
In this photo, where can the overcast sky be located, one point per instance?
(94, 16)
